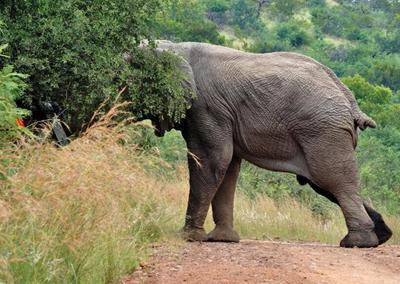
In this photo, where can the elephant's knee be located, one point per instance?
(220, 171)
(218, 167)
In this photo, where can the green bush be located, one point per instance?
(286, 9)
(366, 92)
(283, 37)
(182, 20)
(154, 90)
(331, 21)
(386, 71)
(244, 15)
(73, 49)
(294, 33)
(12, 86)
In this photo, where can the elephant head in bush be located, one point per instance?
(281, 111)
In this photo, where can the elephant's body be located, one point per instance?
(276, 104)
(281, 111)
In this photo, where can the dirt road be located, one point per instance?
(269, 262)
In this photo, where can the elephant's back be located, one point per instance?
(289, 90)
(293, 85)
(285, 75)
(279, 69)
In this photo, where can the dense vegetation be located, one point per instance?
(73, 51)
(12, 86)
(77, 227)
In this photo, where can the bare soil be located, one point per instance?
(269, 262)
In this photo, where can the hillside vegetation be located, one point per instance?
(88, 212)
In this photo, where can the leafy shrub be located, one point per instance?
(316, 3)
(183, 20)
(389, 42)
(244, 15)
(375, 100)
(385, 71)
(73, 49)
(12, 86)
(155, 91)
(294, 33)
(329, 20)
(267, 42)
(366, 92)
(286, 9)
(216, 11)
(356, 34)
(283, 37)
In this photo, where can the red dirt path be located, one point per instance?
(269, 262)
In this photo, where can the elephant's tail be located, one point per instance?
(363, 121)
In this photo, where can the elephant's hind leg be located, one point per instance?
(333, 167)
(222, 206)
(382, 231)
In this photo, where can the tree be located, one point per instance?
(73, 51)
(245, 15)
(182, 20)
(261, 4)
(284, 9)
(386, 71)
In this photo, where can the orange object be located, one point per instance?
(20, 122)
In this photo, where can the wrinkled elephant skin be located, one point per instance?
(280, 111)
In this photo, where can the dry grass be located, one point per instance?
(264, 218)
(86, 212)
(83, 213)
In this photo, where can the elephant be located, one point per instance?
(280, 111)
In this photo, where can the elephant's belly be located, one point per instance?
(272, 151)
(295, 165)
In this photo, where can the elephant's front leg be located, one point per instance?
(207, 170)
(222, 206)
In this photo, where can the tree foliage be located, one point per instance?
(73, 51)
(12, 86)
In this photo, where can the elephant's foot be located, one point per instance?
(361, 239)
(382, 231)
(194, 234)
(223, 234)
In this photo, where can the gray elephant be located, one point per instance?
(281, 111)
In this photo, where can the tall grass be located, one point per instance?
(80, 214)
(264, 218)
(87, 213)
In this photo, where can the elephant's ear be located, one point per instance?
(188, 80)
